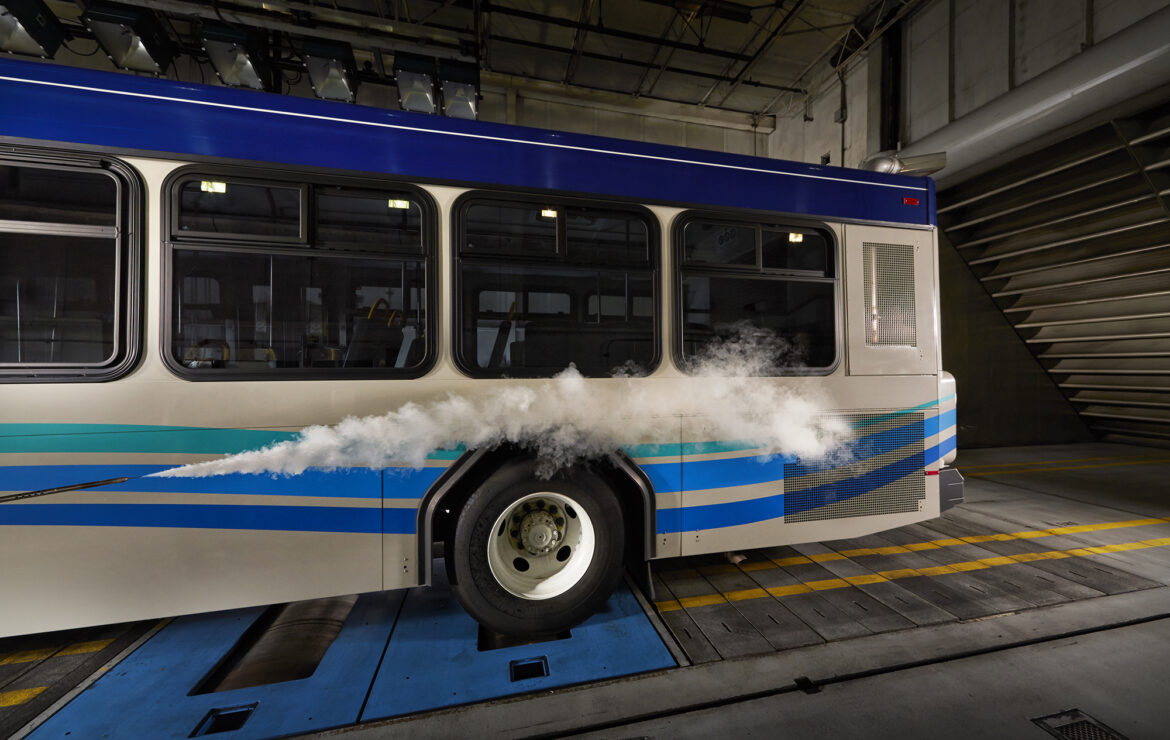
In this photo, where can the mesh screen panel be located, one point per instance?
(880, 473)
(890, 316)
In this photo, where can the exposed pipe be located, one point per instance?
(1124, 66)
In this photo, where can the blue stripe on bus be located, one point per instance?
(196, 516)
(188, 119)
(399, 483)
(939, 451)
(699, 475)
(737, 513)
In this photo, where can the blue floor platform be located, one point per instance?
(398, 653)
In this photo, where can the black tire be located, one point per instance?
(563, 599)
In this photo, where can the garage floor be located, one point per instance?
(1047, 591)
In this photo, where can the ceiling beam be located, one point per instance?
(556, 92)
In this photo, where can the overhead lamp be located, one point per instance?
(331, 68)
(415, 77)
(132, 37)
(29, 27)
(237, 56)
(459, 83)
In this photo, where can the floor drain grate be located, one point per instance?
(1076, 725)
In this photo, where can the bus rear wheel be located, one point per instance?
(537, 556)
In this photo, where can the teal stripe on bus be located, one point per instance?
(148, 439)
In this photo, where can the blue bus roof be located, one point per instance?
(122, 112)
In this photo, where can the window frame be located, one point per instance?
(129, 225)
(283, 246)
(559, 257)
(761, 222)
(174, 201)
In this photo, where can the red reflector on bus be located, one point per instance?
(909, 201)
(932, 472)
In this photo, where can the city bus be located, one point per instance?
(257, 348)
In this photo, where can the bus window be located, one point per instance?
(543, 285)
(744, 276)
(243, 209)
(349, 301)
(65, 260)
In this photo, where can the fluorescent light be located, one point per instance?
(132, 37)
(209, 186)
(332, 71)
(236, 56)
(29, 27)
(795, 238)
(415, 77)
(549, 213)
(459, 82)
(400, 204)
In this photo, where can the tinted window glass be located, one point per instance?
(58, 299)
(58, 196)
(799, 313)
(528, 336)
(719, 244)
(797, 250)
(359, 220)
(250, 310)
(594, 235)
(782, 284)
(511, 229)
(224, 207)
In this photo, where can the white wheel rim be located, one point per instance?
(541, 546)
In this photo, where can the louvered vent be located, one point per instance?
(881, 472)
(1073, 243)
(889, 295)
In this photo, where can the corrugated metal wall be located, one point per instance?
(1073, 244)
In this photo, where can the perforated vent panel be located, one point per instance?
(880, 474)
(889, 295)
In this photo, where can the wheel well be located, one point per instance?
(439, 509)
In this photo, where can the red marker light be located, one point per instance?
(909, 201)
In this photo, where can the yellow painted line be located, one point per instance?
(34, 656)
(27, 656)
(916, 546)
(826, 557)
(80, 648)
(668, 606)
(757, 565)
(827, 584)
(798, 560)
(747, 593)
(865, 580)
(705, 600)
(12, 698)
(796, 588)
(893, 575)
(1152, 461)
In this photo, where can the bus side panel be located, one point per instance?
(734, 497)
(151, 546)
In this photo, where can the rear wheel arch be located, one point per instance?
(439, 508)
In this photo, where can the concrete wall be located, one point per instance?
(810, 133)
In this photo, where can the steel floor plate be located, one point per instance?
(390, 658)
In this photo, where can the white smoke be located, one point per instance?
(568, 418)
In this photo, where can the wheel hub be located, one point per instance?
(539, 533)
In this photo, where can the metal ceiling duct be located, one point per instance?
(1127, 64)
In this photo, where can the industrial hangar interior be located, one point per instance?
(927, 497)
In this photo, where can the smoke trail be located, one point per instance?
(568, 418)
